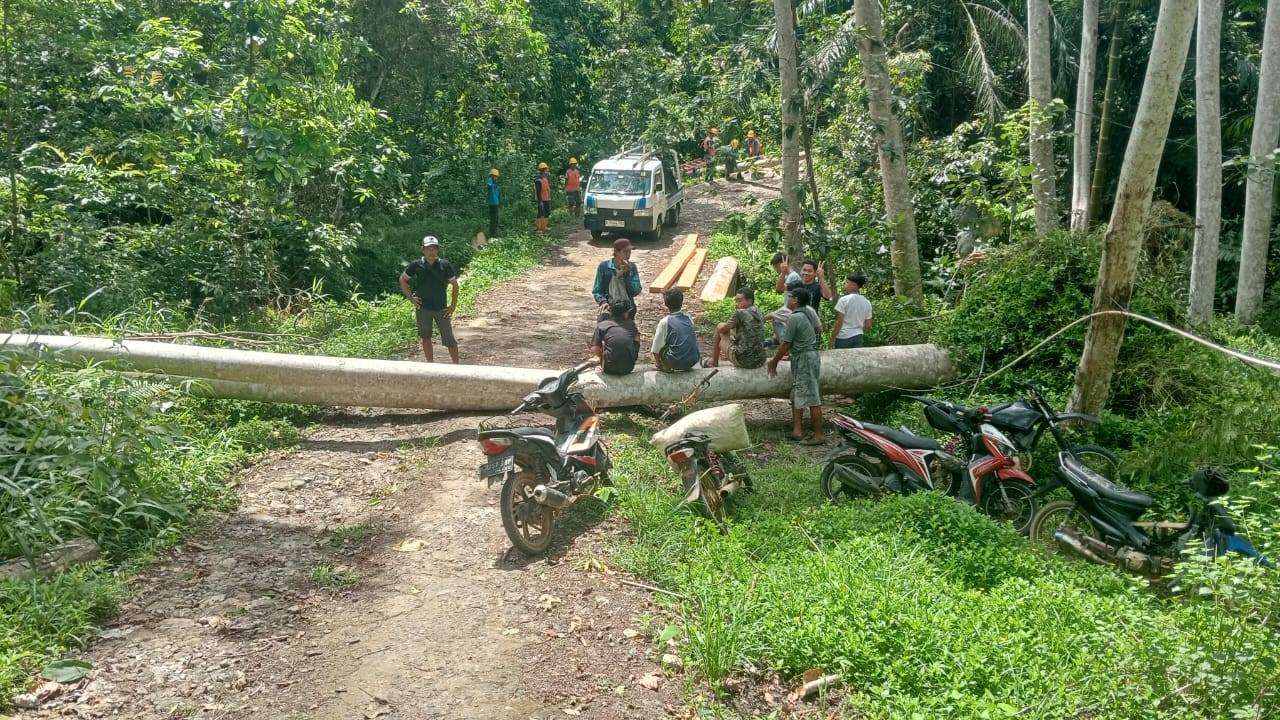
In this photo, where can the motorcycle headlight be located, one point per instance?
(644, 213)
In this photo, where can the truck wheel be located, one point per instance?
(673, 217)
(596, 234)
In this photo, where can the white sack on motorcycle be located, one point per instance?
(725, 424)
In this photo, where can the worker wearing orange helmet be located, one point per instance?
(542, 198)
(753, 144)
(491, 186)
(709, 150)
(573, 188)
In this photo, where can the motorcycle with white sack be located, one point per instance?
(545, 470)
(701, 446)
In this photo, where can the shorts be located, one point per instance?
(426, 318)
(544, 209)
(574, 198)
(852, 342)
(805, 368)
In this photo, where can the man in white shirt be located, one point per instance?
(853, 314)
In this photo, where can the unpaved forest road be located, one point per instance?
(229, 625)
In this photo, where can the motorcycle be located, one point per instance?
(544, 470)
(1101, 522)
(877, 460)
(708, 476)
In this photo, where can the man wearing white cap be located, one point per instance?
(423, 283)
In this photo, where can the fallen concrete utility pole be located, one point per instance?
(320, 380)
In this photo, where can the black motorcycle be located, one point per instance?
(1102, 522)
(545, 470)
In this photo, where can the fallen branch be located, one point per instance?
(55, 559)
(814, 686)
(653, 589)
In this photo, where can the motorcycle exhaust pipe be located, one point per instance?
(1068, 540)
(729, 489)
(550, 497)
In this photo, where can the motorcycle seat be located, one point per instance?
(904, 439)
(1104, 487)
(527, 431)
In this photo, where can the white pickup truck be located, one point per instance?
(634, 193)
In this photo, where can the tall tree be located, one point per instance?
(792, 109)
(1084, 116)
(1262, 171)
(898, 206)
(1107, 119)
(1204, 255)
(1040, 89)
(1123, 242)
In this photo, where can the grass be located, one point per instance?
(331, 578)
(928, 609)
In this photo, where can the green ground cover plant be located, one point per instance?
(927, 609)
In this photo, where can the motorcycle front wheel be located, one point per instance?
(1009, 501)
(701, 491)
(527, 522)
(1059, 515)
(837, 490)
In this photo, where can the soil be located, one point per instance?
(365, 574)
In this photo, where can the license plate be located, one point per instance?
(497, 467)
(615, 223)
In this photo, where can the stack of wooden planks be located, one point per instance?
(682, 272)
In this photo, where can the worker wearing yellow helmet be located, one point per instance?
(491, 185)
(753, 144)
(542, 198)
(573, 188)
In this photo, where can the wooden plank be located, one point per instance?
(689, 275)
(721, 279)
(669, 274)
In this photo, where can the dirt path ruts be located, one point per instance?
(232, 624)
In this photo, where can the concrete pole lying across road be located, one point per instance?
(333, 381)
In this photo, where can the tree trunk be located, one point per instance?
(9, 245)
(1204, 255)
(1040, 89)
(1123, 242)
(332, 381)
(1262, 170)
(792, 107)
(1106, 121)
(898, 206)
(1084, 117)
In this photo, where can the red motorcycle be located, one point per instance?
(876, 460)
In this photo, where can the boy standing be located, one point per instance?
(853, 314)
(800, 338)
(424, 283)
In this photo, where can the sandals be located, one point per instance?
(811, 440)
(795, 438)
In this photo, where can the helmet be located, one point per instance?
(573, 161)
(751, 133)
(494, 172)
(734, 143)
(715, 131)
(542, 166)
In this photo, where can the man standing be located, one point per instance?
(617, 340)
(491, 183)
(753, 145)
(573, 188)
(746, 332)
(424, 282)
(709, 153)
(800, 338)
(786, 276)
(853, 314)
(675, 344)
(542, 198)
(813, 281)
(617, 279)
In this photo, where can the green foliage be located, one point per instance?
(932, 608)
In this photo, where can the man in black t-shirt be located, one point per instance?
(424, 283)
(617, 340)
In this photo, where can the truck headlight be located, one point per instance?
(589, 210)
(643, 213)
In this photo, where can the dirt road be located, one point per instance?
(425, 613)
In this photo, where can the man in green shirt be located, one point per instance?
(800, 337)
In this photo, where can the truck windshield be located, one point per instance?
(619, 182)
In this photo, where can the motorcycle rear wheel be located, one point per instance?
(701, 490)
(836, 490)
(1056, 515)
(528, 523)
(1010, 501)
